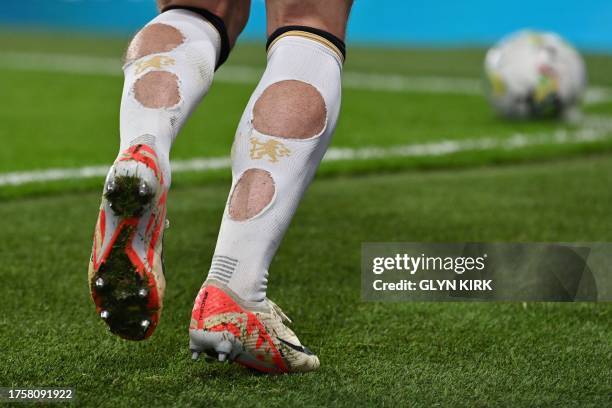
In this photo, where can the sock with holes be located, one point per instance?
(273, 161)
(176, 55)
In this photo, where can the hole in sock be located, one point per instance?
(154, 38)
(157, 89)
(290, 109)
(253, 192)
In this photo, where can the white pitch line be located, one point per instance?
(90, 65)
(594, 129)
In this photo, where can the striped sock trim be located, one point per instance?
(222, 268)
(322, 37)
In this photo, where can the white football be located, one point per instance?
(534, 75)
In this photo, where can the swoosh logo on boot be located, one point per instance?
(301, 349)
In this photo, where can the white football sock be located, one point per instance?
(284, 166)
(151, 111)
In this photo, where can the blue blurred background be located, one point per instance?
(587, 24)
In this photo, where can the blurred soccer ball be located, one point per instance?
(534, 75)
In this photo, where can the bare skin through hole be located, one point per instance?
(290, 109)
(157, 89)
(153, 39)
(252, 194)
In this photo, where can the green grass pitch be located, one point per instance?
(413, 354)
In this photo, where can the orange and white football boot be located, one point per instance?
(225, 327)
(126, 276)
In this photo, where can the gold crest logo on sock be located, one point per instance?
(156, 62)
(273, 149)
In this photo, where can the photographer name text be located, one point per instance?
(407, 264)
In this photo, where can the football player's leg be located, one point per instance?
(169, 68)
(281, 139)
(170, 65)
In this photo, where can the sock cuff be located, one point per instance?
(219, 25)
(324, 37)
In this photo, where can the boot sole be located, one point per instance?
(126, 296)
